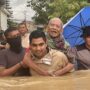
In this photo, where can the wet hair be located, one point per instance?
(8, 30)
(37, 34)
(86, 31)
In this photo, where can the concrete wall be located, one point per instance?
(4, 13)
(3, 20)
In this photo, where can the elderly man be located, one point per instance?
(48, 62)
(81, 53)
(55, 37)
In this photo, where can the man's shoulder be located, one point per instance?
(4, 52)
(7, 51)
(76, 48)
(56, 52)
(80, 47)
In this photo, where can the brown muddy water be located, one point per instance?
(76, 81)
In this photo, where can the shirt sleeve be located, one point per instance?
(59, 60)
(62, 61)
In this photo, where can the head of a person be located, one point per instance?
(86, 35)
(22, 28)
(38, 45)
(55, 27)
(13, 38)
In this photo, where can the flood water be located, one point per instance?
(76, 81)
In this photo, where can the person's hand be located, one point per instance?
(26, 61)
(22, 64)
(57, 73)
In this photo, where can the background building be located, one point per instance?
(4, 14)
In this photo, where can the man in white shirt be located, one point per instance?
(24, 34)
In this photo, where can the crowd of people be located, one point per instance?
(42, 53)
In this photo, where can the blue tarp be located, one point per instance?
(72, 29)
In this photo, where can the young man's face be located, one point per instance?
(54, 28)
(38, 47)
(22, 29)
(87, 40)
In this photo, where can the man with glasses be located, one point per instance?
(10, 58)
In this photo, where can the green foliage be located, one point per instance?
(41, 9)
(65, 9)
(11, 23)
